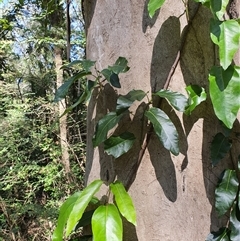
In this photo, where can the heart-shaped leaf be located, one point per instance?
(107, 224)
(80, 205)
(124, 202)
(119, 145)
(177, 100)
(104, 125)
(164, 128)
(226, 192)
(220, 146)
(225, 93)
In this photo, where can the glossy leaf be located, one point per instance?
(114, 80)
(226, 35)
(107, 224)
(124, 202)
(220, 146)
(218, 7)
(221, 235)
(120, 66)
(63, 89)
(119, 145)
(125, 101)
(177, 100)
(111, 77)
(225, 93)
(226, 192)
(64, 213)
(80, 205)
(104, 125)
(197, 95)
(234, 223)
(153, 6)
(164, 128)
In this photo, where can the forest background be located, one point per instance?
(42, 156)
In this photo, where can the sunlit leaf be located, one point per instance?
(64, 213)
(234, 223)
(226, 192)
(218, 7)
(104, 125)
(119, 145)
(220, 146)
(177, 100)
(107, 224)
(124, 202)
(225, 93)
(221, 235)
(226, 35)
(197, 95)
(153, 6)
(81, 204)
(164, 128)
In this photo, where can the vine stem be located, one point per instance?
(148, 135)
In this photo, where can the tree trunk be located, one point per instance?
(61, 109)
(174, 196)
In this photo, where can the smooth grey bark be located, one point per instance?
(174, 196)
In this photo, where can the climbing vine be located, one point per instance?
(224, 91)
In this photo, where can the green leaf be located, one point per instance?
(218, 7)
(164, 128)
(135, 95)
(125, 101)
(220, 146)
(119, 145)
(234, 223)
(153, 6)
(226, 35)
(221, 235)
(105, 124)
(63, 89)
(197, 95)
(123, 104)
(107, 224)
(111, 77)
(114, 80)
(120, 66)
(226, 192)
(124, 202)
(225, 93)
(88, 64)
(64, 213)
(177, 100)
(81, 204)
